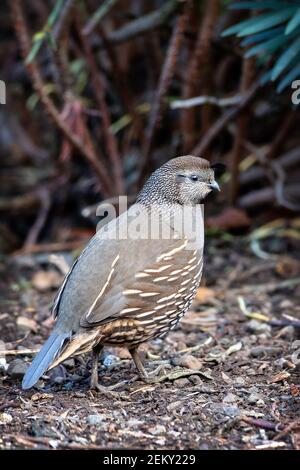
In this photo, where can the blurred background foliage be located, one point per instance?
(273, 36)
(99, 94)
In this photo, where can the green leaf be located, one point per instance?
(259, 23)
(286, 58)
(293, 23)
(33, 51)
(102, 11)
(272, 4)
(45, 34)
(265, 35)
(268, 46)
(51, 40)
(266, 21)
(291, 76)
(265, 78)
(38, 36)
(54, 14)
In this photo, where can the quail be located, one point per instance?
(126, 288)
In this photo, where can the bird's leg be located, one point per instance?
(96, 351)
(94, 384)
(144, 375)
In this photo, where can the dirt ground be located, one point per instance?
(230, 378)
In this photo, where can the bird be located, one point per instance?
(126, 289)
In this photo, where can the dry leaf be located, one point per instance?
(296, 440)
(279, 377)
(294, 390)
(28, 324)
(46, 280)
(288, 267)
(5, 418)
(41, 396)
(204, 294)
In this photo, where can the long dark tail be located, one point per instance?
(44, 358)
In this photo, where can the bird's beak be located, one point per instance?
(214, 186)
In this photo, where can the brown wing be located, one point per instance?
(158, 288)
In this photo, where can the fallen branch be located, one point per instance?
(267, 287)
(263, 424)
(18, 352)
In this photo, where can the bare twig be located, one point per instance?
(247, 78)
(22, 34)
(201, 100)
(18, 352)
(273, 170)
(34, 232)
(164, 83)
(98, 15)
(268, 195)
(280, 137)
(286, 161)
(62, 19)
(263, 424)
(197, 69)
(52, 247)
(111, 143)
(142, 25)
(223, 121)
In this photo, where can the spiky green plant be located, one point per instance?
(273, 35)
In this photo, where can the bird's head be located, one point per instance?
(184, 180)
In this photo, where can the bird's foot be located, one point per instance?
(153, 377)
(108, 391)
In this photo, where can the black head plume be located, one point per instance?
(219, 169)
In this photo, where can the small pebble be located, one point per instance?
(5, 418)
(255, 326)
(182, 383)
(70, 363)
(230, 398)
(254, 398)
(17, 369)
(109, 360)
(95, 420)
(159, 429)
(195, 379)
(259, 351)
(239, 382)
(190, 362)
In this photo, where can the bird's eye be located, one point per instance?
(194, 178)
